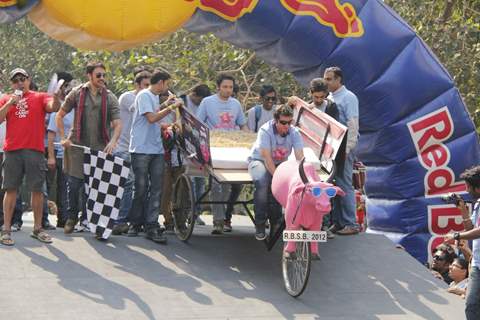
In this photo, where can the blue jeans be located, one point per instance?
(62, 195)
(218, 192)
(265, 205)
(198, 186)
(472, 303)
(17, 211)
(126, 202)
(76, 198)
(45, 204)
(344, 211)
(147, 189)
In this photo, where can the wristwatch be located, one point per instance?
(456, 236)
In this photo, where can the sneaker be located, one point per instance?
(199, 221)
(120, 229)
(83, 226)
(330, 234)
(334, 228)
(347, 230)
(48, 226)
(217, 227)
(260, 234)
(156, 235)
(16, 227)
(69, 226)
(227, 226)
(133, 230)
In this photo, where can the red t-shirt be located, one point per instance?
(26, 122)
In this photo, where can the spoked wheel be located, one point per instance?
(296, 269)
(183, 205)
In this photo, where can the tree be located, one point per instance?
(452, 30)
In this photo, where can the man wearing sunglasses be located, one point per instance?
(96, 112)
(24, 111)
(275, 141)
(471, 222)
(262, 113)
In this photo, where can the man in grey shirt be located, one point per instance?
(262, 113)
(127, 108)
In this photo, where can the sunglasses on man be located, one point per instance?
(285, 122)
(19, 79)
(100, 75)
(439, 258)
(272, 99)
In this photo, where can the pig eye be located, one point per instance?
(331, 192)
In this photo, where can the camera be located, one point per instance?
(452, 198)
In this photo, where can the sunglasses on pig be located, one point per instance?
(329, 191)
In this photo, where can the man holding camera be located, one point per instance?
(472, 232)
(24, 149)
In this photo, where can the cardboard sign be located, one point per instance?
(196, 138)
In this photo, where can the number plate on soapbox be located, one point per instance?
(307, 236)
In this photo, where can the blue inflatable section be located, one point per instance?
(416, 134)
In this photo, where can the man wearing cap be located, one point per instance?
(96, 111)
(24, 111)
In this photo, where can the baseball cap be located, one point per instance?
(16, 71)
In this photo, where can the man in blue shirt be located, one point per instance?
(343, 213)
(275, 141)
(147, 154)
(472, 227)
(223, 112)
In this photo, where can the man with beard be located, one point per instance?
(147, 152)
(275, 141)
(262, 113)
(96, 111)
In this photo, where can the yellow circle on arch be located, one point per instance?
(115, 20)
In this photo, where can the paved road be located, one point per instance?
(231, 277)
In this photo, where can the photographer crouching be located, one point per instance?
(472, 232)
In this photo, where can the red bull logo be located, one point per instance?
(342, 18)
(230, 10)
(7, 3)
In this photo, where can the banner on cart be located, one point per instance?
(196, 138)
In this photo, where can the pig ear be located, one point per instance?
(298, 189)
(340, 192)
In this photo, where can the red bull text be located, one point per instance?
(429, 134)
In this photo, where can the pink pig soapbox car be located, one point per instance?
(306, 199)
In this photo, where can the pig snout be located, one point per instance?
(323, 205)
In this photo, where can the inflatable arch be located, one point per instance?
(416, 134)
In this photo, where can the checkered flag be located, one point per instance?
(105, 176)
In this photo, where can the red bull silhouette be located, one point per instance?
(228, 9)
(342, 18)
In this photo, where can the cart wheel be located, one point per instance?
(183, 208)
(296, 269)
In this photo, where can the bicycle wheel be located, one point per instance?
(296, 269)
(183, 207)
